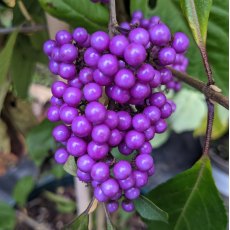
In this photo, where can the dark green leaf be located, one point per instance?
(5, 56)
(148, 210)
(78, 13)
(22, 190)
(57, 170)
(197, 14)
(192, 200)
(116, 153)
(40, 141)
(79, 223)
(70, 166)
(7, 217)
(217, 34)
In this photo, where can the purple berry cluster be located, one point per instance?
(120, 70)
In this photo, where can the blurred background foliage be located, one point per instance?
(25, 79)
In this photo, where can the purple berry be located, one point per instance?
(100, 41)
(115, 138)
(67, 114)
(167, 56)
(48, 47)
(151, 171)
(127, 205)
(76, 146)
(166, 110)
(61, 156)
(156, 81)
(139, 36)
(132, 193)
(58, 88)
(92, 92)
(55, 55)
(145, 73)
(53, 113)
(108, 64)
(158, 99)
(124, 78)
(127, 183)
(149, 133)
(118, 44)
(141, 178)
(67, 71)
(140, 122)
(100, 172)
(111, 119)
(120, 95)
(180, 42)
(80, 35)
(137, 14)
(146, 148)
(91, 57)
(122, 170)
(110, 187)
(86, 75)
(72, 96)
(134, 139)
(124, 149)
(135, 54)
(160, 34)
(63, 37)
(99, 195)
(61, 133)
(160, 126)
(68, 53)
(153, 113)
(81, 127)
(101, 79)
(112, 206)
(85, 163)
(140, 91)
(144, 162)
(124, 120)
(95, 112)
(166, 76)
(85, 177)
(100, 133)
(97, 151)
(54, 67)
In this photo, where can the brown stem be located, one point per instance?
(209, 126)
(23, 29)
(121, 11)
(202, 87)
(112, 18)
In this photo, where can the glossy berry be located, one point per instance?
(112, 206)
(110, 187)
(100, 172)
(118, 44)
(100, 41)
(166, 110)
(92, 91)
(127, 183)
(144, 162)
(91, 57)
(85, 177)
(97, 151)
(61, 156)
(115, 138)
(127, 205)
(63, 37)
(140, 122)
(146, 148)
(86, 75)
(160, 126)
(99, 195)
(48, 47)
(160, 34)
(153, 113)
(134, 139)
(122, 170)
(158, 99)
(141, 178)
(53, 113)
(111, 119)
(132, 193)
(139, 36)
(100, 133)
(68, 114)
(124, 120)
(145, 73)
(108, 64)
(80, 35)
(76, 146)
(72, 96)
(68, 53)
(124, 78)
(67, 71)
(167, 56)
(61, 133)
(81, 127)
(180, 42)
(85, 163)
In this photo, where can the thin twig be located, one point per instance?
(25, 12)
(23, 29)
(209, 126)
(23, 218)
(121, 11)
(202, 87)
(112, 18)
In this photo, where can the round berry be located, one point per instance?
(91, 57)
(153, 113)
(76, 146)
(132, 193)
(160, 126)
(149, 133)
(139, 36)
(81, 127)
(85, 177)
(63, 37)
(127, 205)
(101, 79)
(61, 133)
(166, 110)
(118, 44)
(122, 170)
(160, 34)
(111, 119)
(85, 163)
(95, 112)
(158, 99)
(120, 95)
(80, 35)
(127, 183)
(86, 75)
(67, 71)
(53, 113)
(99, 195)
(108, 64)
(68, 53)
(180, 42)
(92, 91)
(100, 133)
(48, 47)
(145, 73)
(167, 56)
(166, 76)
(144, 162)
(124, 120)
(58, 88)
(112, 206)
(54, 67)
(72, 96)
(61, 156)
(97, 151)
(124, 78)
(134, 139)
(110, 187)
(100, 41)
(67, 114)
(124, 149)
(140, 122)
(135, 54)
(115, 138)
(141, 178)
(100, 172)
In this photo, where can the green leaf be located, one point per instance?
(57, 170)
(22, 190)
(220, 123)
(191, 109)
(217, 34)
(79, 223)
(148, 210)
(78, 13)
(40, 141)
(192, 200)
(70, 166)
(7, 217)
(5, 56)
(197, 14)
(117, 155)
(160, 139)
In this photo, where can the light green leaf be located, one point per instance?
(192, 200)
(40, 141)
(71, 166)
(148, 210)
(7, 217)
(220, 123)
(117, 155)
(197, 14)
(78, 13)
(79, 223)
(5, 56)
(22, 190)
(217, 34)
(160, 139)
(190, 111)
